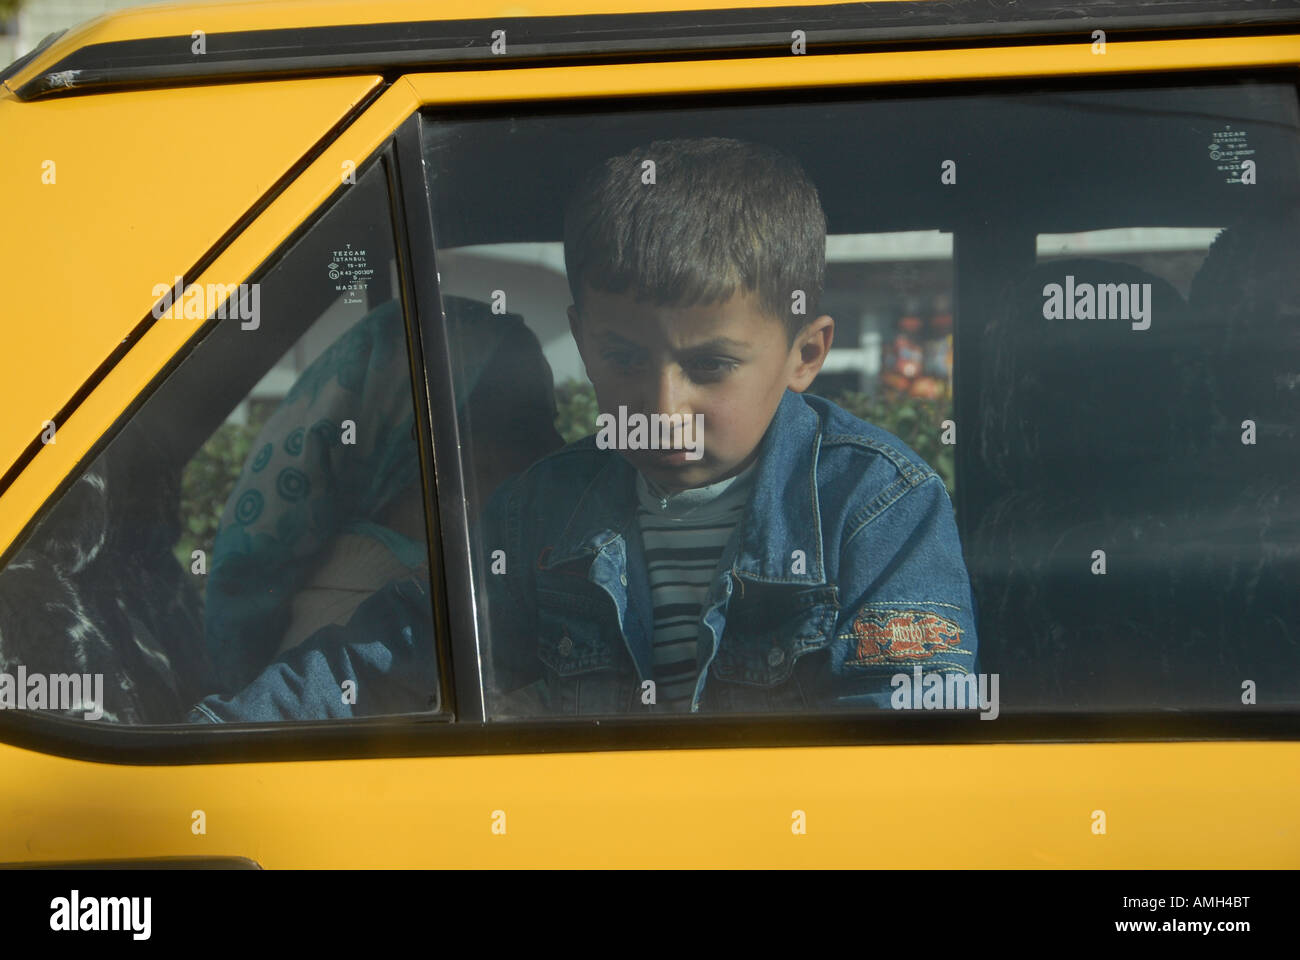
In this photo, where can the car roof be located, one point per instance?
(154, 45)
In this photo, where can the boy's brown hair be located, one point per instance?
(721, 216)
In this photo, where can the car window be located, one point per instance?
(251, 545)
(1068, 310)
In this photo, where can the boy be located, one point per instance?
(723, 543)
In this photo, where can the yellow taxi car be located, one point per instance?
(286, 304)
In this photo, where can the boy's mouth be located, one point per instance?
(665, 458)
(669, 468)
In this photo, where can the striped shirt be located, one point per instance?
(685, 535)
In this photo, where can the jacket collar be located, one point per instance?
(782, 515)
(604, 512)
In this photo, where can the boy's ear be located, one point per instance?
(809, 352)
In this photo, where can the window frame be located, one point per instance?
(437, 414)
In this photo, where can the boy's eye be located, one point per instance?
(712, 368)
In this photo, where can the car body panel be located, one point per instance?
(1165, 804)
(832, 70)
(45, 379)
(129, 208)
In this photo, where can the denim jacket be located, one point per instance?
(382, 662)
(845, 570)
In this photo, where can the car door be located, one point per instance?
(385, 214)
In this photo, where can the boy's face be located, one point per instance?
(729, 361)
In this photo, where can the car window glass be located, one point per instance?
(1071, 311)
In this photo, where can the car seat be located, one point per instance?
(1090, 433)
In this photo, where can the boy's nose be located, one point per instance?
(669, 393)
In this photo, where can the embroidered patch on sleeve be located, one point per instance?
(903, 636)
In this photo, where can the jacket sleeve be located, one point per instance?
(383, 662)
(906, 602)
